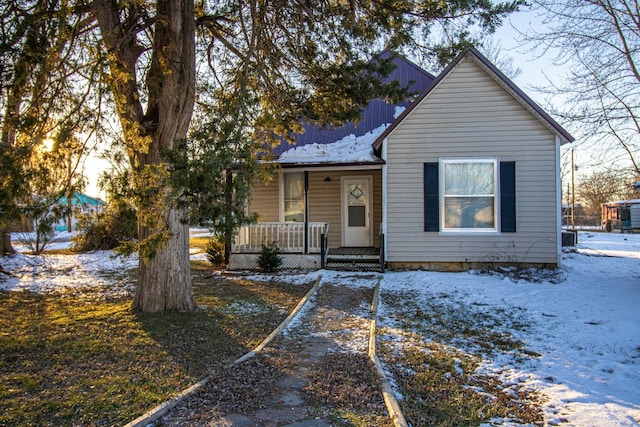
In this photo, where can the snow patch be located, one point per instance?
(583, 324)
(398, 111)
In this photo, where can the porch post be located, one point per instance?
(228, 200)
(306, 212)
(382, 259)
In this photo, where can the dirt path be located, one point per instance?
(316, 374)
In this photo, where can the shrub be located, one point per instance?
(269, 260)
(115, 225)
(45, 213)
(215, 251)
(44, 231)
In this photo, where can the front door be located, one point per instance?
(356, 211)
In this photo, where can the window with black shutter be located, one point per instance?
(469, 195)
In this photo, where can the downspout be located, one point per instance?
(558, 206)
(306, 212)
(383, 155)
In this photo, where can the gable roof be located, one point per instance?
(498, 76)
(376, 114)
(82, 199)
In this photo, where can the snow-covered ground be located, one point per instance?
(584, 323)
(585, 326)
(82, 275)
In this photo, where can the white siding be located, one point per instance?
(264, 200)
(470, 115)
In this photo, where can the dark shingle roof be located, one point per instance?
(375, 114)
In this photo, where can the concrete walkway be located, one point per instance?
(313, 375)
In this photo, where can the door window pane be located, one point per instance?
(357, 202)
(357, 195)
(357, 216)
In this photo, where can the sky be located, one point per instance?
(540, 71)
(533, 68)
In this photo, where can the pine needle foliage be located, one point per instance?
(271, 66)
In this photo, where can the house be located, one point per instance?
(622, 215)
(80, 203)
(467, 174)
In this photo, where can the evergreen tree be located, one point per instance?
(46, 89)
(274, 62)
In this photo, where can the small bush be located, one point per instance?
(269, 260)
(215, 251)
(44, 232)
(107, 229)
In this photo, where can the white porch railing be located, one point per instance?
(289, 236)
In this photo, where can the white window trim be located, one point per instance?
(496, 200)
(281, 192)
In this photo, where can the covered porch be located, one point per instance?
(317, 215)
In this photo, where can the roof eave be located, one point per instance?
(289, 165)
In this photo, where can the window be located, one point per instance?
(294, 197)
(470, 195)
(469, 189)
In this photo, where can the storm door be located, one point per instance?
(356, 211)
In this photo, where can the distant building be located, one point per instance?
(622, 215)
(79, 203)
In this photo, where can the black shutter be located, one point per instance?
(431, 198)
(508, 197)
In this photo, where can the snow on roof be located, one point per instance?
(350, 149)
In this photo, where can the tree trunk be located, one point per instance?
(5, 242)
(69, 196)
(164, 282)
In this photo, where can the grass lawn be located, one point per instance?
(65, 361)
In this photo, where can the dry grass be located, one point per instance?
(434, 358)
(95, 362)
(199, 242)
(347, 387)
(440, 387)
